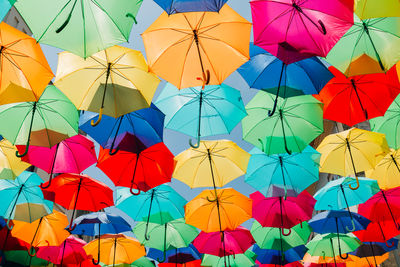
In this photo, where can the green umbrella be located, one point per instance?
(369, 46)
(389, 124)
(22, 257)
(82, 27)
(238, 260)
(176, 234)
(46, 122)
(297, 121)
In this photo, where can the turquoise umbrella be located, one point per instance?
(5, 6)
(282, 170)
(215, 110)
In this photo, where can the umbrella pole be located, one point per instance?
(176, 257)
(383, 235)
(395, 162)
(348, 209)
(33, 239)
(165, 245)
(199, 125)
(353, 84)
(133, 177)
(338, 240)
(390, 210)
(212, 176)
(9, 227)
(333, 252)
(111, 152)
(272, 112)
(98, 250)
(62, 255)
(354, 167)
(282, 228)
(373, 253)
(321, 26)
(93, 123)
(283, 131)
(5, 240)
(115, 250)
(52, 168)
(373, 46)
(283, 175)
(29, 133)
(70, 228)
(223, 245)
(282, 257)
(148, 217)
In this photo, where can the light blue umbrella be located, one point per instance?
(215, 110)
(282, 170)
(5, 6)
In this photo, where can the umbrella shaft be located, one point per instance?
(365, 27)
(353, 84)
(196, 40)
(351, 157)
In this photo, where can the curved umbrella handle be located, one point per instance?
(211, 200)
(48, 185)
(9, 227)
(389, 246)
(95, 262)
(345, 257)
(283, 232)
(25, 152)
(95, 123)
(134, 193)
(322, 27)
(272, 112)
(262, 145)
(30, 253)
(146, 235)
(358, 185)
(111, 152)
(301, 224)
(164, 257)
(70, 229)
(130, 15)
(353, 226)
(195, 145)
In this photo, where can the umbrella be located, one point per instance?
(72, 155)
(267, 72)
(351, 151)
(116, 249)
(367, 261)
(22, 257)
(205, 47)
(10, 166)
(355, 99)
(8, 242)
(367, 9)
(294, 30)
(123, 71)
(46, 122)
(337, 221)
(282, 212)
(146, 124)
(25, 71)
(195, 263)
(142, 170)
(297, 122)
(5, 6)
(172, 234)
(373, 250)
(271, 256)
(196, 111)
(46, 231)
(369, 46)
(387, 171)
(176, 255)
(180, 6)
(68, 188)
(282, 170)
(239, 260)
(213, 163)
(388, 124)
(218, 210)
(83, 28)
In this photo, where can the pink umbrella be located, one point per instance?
(73, 155)
(69, 252)
(281, 212)
(224, 243)
(297, 29)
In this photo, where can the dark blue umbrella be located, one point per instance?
(272, 256)
(176, 255)
(179, 6)
(373, 249)
(265, 71)
(340, 221)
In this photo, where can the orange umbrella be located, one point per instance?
(225, 212)
(366, 261)
(24, 72)
(46, 231)
(197, 48)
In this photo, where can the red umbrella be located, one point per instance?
(379, 231)
(9, 242)
(281, 212)
(79, 192)
(354, 99)
(143, 170)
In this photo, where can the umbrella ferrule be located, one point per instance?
(2, 48)
(196, 36)
(297, 7)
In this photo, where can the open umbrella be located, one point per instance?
(373, 250)
(297, 122)
(46, 122)
(5, 6)
(274, 257)
(379, 231)
(206, 47)
(114, 81)
(22, 257)
(176, 256)
(180, 6)
(196, 111)
(367, 9)
(294, 30)
(387, 171)
(367, 261)
(337, 221)
(10, 165)
(82, 28)
(238, 260)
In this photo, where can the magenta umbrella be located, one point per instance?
(297, 29)
(281, 212)
(73, 155)
(69, 252)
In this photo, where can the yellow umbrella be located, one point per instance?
(348, 152)
(367, 9)
(10, 165)
(387, 171)
(213, 163)
(197, 48)
(115, 249)
(114, 81)
(225, 212)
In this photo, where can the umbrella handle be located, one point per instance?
(9, 227)
(353, 226)
(272, 112)
(345, 257)
(30, 251)
(283, 232)
(195, 145)
(25, 152)
(134, 193)
(358, 185)
(389, 246)
(164, 257)
(322, 26)
(111, 152)
(93, 123)
(301, 224)
(211, 200)
(95, 262)
(130, 15)
(70, 229)
(48, 185)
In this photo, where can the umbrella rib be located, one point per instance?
(90, 87)
(48, 108)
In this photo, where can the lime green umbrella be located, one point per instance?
(389, 124)
(369, 46)
(22, 257)
(296, 122)
(237, 260)
(46, 122)
(82, 27)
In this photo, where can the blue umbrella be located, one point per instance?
(265, 71)
(146, 124)
(338, 221)
(265, 173)
(179, 6)
(196, 112)
(272, 256)
(176, 255)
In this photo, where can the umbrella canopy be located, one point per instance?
(282, 170)
(367, 9)
(351, 151)
(218, 210)
(180, 6)
(239, 260)
(22, 257)
(5, 6)
(379, 231)
(204, 45)
(115, 249)
(46, 122)
(369, 46)
(176, 255)
(337, 221)
(372, 249)
(296, 123)
(25, 71)
(355, 99)
(196, 111)
(271, 256)
(10, 165)
(387, 171)
(123, 71)
(76, 28)
(8, 242)
(367, 261)
(294, 30)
